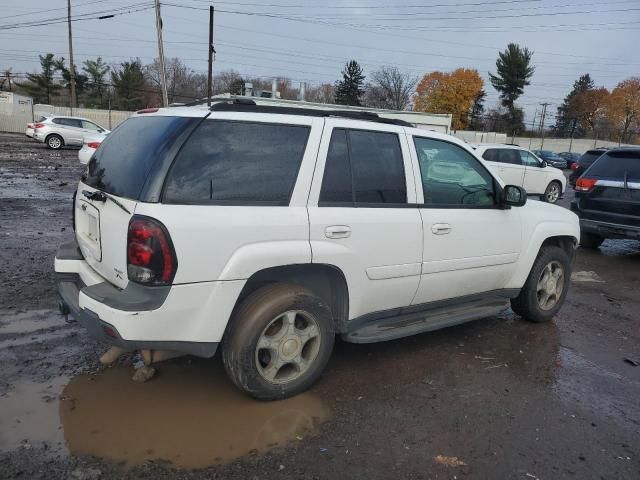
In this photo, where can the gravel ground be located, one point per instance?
(497, 398)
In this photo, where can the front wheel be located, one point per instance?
(552, 193)
(55, 142)
(546, 287)
(278, 341)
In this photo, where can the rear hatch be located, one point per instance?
(615, 197)
(116, 179)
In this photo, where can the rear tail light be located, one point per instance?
(585, 184)
(39, 125)
(93, 145)
(29, 125)
(151, 259)
(575, 166)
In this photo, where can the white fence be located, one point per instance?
(580, 145)
(17, 121)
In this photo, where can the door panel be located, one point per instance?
(510, 174)
(377, 243)
(536, 177)
(469, 245)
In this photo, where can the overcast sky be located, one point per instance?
(311, 40)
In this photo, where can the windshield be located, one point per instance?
(128, 154)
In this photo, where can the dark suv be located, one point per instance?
(583, 163)
(608, 198)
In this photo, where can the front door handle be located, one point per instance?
(440, 228)
(337, 231)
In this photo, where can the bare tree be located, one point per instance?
(183, 84)
(390, 88)
(324, 93)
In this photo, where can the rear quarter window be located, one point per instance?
(237, 163)
(617, 165)
(128, 154)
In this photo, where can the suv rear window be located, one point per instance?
(502, 155)
(126, 157)
(589, 157)
(237, 163)
(617, 165)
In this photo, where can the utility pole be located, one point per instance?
(212, 50)
(533, 125)
(163, 73)
(544, 114)
(573, 129)
(72, 71)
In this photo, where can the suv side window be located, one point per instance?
(528, 159)
(451, 176)
(502, 155)
(364, 167)
(237, 163)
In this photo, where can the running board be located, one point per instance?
(405, 323)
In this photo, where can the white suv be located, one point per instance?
(518, 166)
(266, 231)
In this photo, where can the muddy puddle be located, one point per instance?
(189, 414)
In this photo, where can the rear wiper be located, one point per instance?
(103, 197)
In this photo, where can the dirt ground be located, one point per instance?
(499, 398)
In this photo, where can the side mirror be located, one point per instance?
(514, 196)
(543, 163)
(100, 130)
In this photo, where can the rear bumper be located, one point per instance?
(190, 319)
(609, 230)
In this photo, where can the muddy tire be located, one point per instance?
(552, 192)
(54, 142)
(278, 341)
(546, 287)
(590, 240)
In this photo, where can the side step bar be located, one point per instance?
(402, 323)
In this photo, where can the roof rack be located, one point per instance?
(247, 105)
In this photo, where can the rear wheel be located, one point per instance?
(546, 287)
(54, 142)
(552, 193)
(278, 342)
(590, 240)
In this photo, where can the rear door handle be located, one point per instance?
(440, 228)
(337, 231)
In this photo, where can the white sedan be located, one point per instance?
(90, 144)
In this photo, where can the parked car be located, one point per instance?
(571, 158)
(518, 166)
(266, 231)
(586, 160)
(607, 197)
(90, 144)
(56, 132)
(31, 127)
(551, 158)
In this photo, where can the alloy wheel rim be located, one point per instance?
(550, 285)
(54, 142)
(287, 347)
(553, 193)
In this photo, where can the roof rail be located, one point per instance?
(246, 105)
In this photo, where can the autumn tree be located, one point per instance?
(390, 88)
(590, 107)
(567, 121)
(350, 89)
(183, 84)
(454, 93)
(323, 93)
(623, 107)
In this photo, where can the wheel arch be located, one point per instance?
(53, 134)
(326, 281)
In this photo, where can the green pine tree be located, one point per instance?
(350, 89)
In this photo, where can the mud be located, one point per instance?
(497, 398)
